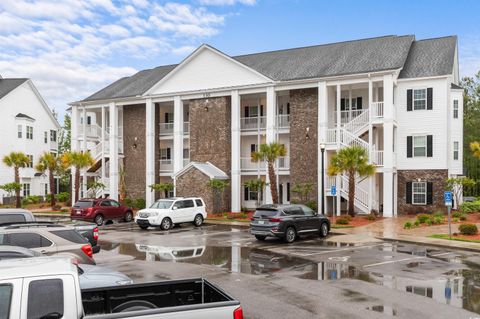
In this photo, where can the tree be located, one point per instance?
(16, 160)
(122, 183)
(256, 185)
(11, 188)
(64, 136)
(162, 187)
(303, 190)
(218, 186)
(94, 187)
(79, 161)
(475, 148)
(351, 161)
(50, 162)
(270, 153)
(457, 185)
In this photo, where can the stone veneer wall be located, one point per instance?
(210, 135)
(437, 177)
(135, 166)
(303, 151)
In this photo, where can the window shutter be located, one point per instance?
(429, 98)
(245, 193)
(409, 146)
(168, 153)
(359, 103)
(253, 148)
(429, 145)
(342, 104)
(409, 100)
(408, 194)
(288, 108)
(166, 117)
(261, 110)
(429, 193)
(247, 109)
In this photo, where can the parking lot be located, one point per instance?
(309, 278)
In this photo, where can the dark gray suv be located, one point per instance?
(287, 222)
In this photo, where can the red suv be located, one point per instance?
(99, 210)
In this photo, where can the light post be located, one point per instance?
(322, 149)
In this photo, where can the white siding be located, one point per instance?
(424, 122)
(456, 133)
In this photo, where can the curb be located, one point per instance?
(219, 222)
(435, 244)
(51, 215)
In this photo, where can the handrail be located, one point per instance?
(359, 122)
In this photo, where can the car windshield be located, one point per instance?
(265, 212)
(83, 203)
(162, 204)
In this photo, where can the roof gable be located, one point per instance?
(8, 85)
(207, 68)
(206, 168)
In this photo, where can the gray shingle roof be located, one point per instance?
(455, 86)
(8, 85)
(417, 58)
(25, 116)
(430, 57)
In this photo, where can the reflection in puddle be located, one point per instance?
(389, 311)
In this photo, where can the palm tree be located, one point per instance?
(79, 161)
(270, 153)
(351, 161)
(50, 162)
(16, 160)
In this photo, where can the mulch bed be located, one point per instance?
(468, 237)
(356, 221)
(231, 217)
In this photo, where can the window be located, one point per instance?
(106, 203)
(29, 132)
(46, 188)
(294, 211)
(45, 137)
(250, 195)
(184, 204)
(45, 297)
(89, 120)
(455, 150)
(53, 135)
(419, 99)
(26, 190)
(168, 117)
(419, 146)
(5, 300)
(288, 192)
(30, 161)
(165, 154)
(307, 211)
(70, 235)
(12, 218)
(455, 109)
(114, 203)
(186, 153)
(199, 202)
(419, 193)
(19, 128)
(251, 111)
(27, 240)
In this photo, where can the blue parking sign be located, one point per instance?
(448, 196)
(333, 190)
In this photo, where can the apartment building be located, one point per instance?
(26, 125)
(395, 96)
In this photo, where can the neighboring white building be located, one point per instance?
(395, 96)
(26, 125)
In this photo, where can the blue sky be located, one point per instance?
(73, 48)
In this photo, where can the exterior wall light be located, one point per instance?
(307, 133)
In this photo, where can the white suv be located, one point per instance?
(168, 212)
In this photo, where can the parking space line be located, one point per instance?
(441, 254)
(394, 261)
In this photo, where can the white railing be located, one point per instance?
(348, 139)
(361, 195)
(359, 122)
(347, 116)
(377, 109)
(246, 164)
(166, 128)
(186, 127)
(329, 182)
(252, 123)
(283, 121)
(331, 135)
(186, 161)
(377, 158)
(166, 165)
(283, 162)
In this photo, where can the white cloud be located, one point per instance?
(227, 2)
(115, 30)
(469, 59)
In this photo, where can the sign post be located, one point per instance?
(448, 196)
(333, 192)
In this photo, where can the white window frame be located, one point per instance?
(414, 146)
(417, 192)
(455, 109)
(252, 193)
(26, 189)
(164, 154)
(53, 135)
(46, 189)
(424, 99)
(29, 133)
(45, 137)
(19, 131)
(456, 149)
(30, 163)
(253, 107)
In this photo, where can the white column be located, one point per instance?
(370, 142)
(349, 104)
(236, 185)
(74, 144)
(84, 150)
(149, 151)
(337, 178)
(103, 141)
(113, 115)
(388, 146)
(270, 133)
(322, 138)
(177, 134)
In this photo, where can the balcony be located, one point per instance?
(186, 161)
(347, 116)
(377, 158)
(186, 127)
(253, 123)
(166, 166)
(247, 165)
(283, 121)
(165, 129)
(377, 109)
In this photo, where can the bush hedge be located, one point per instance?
(343, 220)
(470, 207)
(407, 225)
(423, 218)
(468, 229)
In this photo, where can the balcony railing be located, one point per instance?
(331, 135)
(186, 127)
(377, 158)
(246, 164)
(166, 165)
(166, 128)
(186, 161)
(252, 123)
(377, 109)
(283, 121)
(283, 162)
(347, 116)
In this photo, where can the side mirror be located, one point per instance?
(174, 207)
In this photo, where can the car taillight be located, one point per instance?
(274, 220)
(252, 219)
(238, 313)
(95, 234)
(87, 249)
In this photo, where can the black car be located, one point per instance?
(287, 222)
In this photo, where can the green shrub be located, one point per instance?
(128, 202)
(370, 217)
(468, 229)
(407, 225)
(57, 207)
(457, 214)
(423, 218)
(241, 215)
(463, 217)
(437, 220)
(63, 197)
(456, 220)
(417, 223)
(470, 207)
(348, 217)
(139, 203)
(312, 204)
(429, 222)
(438, 214)
(342, 220)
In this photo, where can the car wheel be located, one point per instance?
(143, 226)
(128, 217)
(324, 230)
(290, 235)
(198, 221)
(261, 238)
(166, 223)
(99, 220)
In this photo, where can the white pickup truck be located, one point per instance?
(48, 288)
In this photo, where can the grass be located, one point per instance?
(341, 226)
(443, 236)
(53, 213)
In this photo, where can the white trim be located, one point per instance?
(424, 78)
(420, 193)
(195, 164)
